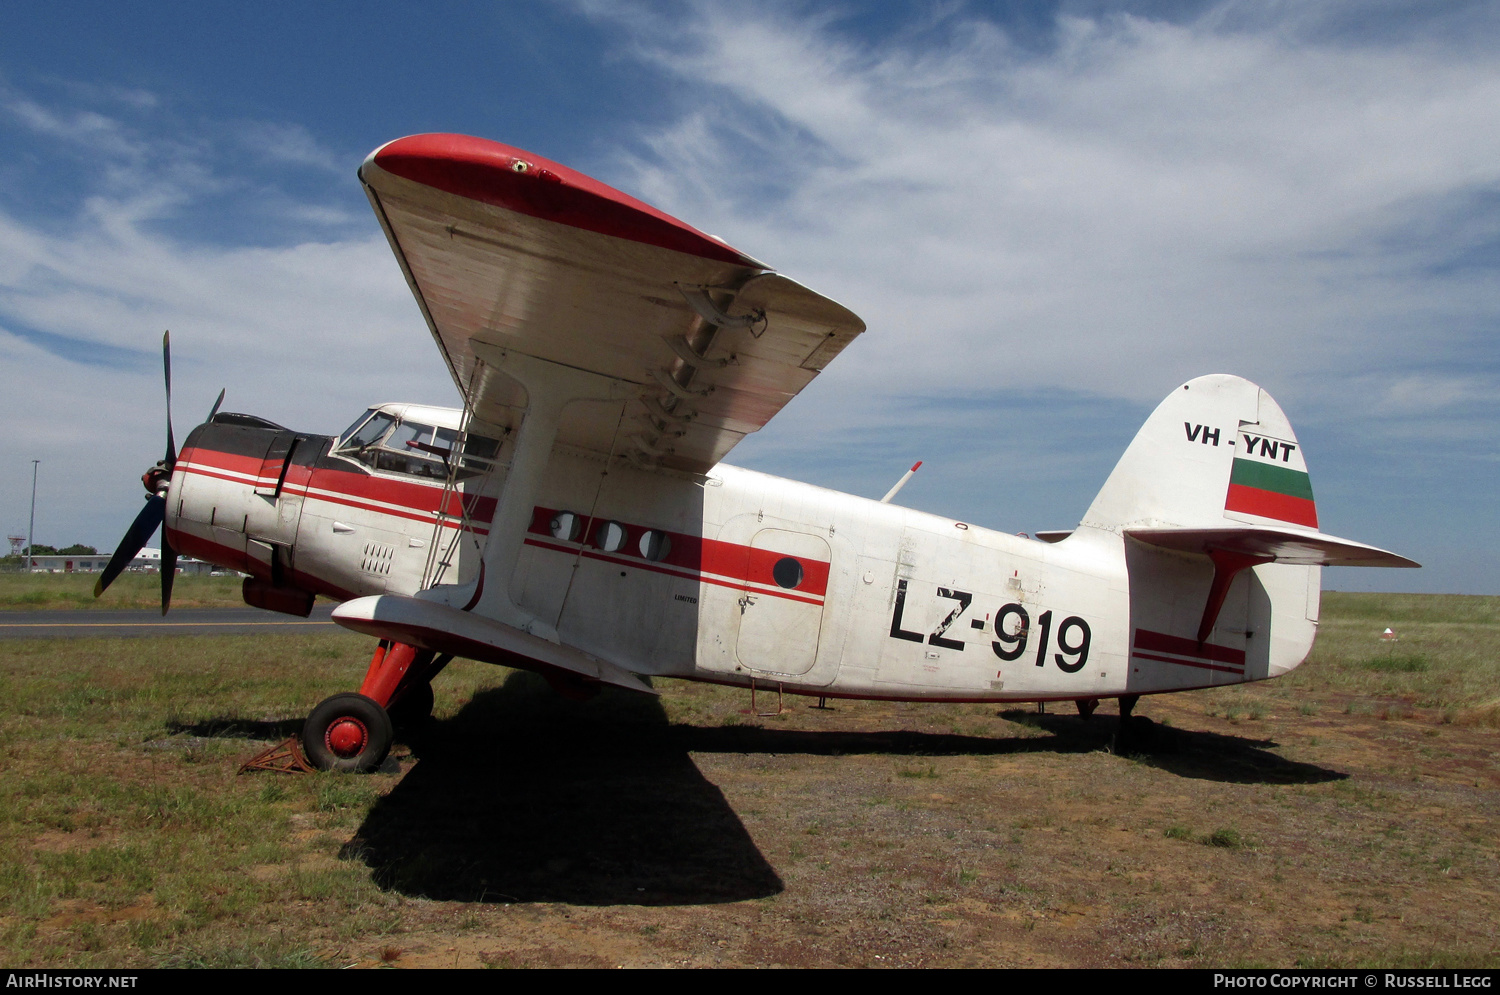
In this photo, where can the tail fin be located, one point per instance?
(1215, 484)
(1217, 452)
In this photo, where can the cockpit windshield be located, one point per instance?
(370, 430)
(384, 443)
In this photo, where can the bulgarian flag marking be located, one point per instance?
(1269, 480)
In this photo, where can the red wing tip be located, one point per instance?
(505, 176)
(915, 465)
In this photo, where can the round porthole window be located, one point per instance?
(566, 526)
(610, 537)
(655, 545)
(787, 572)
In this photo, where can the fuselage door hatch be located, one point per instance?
(781, 604)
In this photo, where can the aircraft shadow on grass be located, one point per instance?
(1185, 752)
(526, 797)
(230, 727)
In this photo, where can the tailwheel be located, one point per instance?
(412, 710)
(347, 732)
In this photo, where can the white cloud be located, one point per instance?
(287, 143)
(307, 334)
(1143, 203)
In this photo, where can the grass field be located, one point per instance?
(1345, 815)
(33, 592)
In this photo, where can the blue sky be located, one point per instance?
(1049, 215)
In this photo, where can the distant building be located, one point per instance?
(146, 561)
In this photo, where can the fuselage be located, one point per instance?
(732, 576)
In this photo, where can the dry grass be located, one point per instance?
(1444, 663)
(1346, 815)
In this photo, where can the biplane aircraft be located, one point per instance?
(575, 517)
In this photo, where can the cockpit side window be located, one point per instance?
(378, 445)
(398, 457)
(478, 455)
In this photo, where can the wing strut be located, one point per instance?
(550, 387)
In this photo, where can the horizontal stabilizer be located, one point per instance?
(448, 630)
(1273, 545)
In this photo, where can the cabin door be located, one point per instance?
(781, 602)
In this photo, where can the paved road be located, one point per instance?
(149, 622)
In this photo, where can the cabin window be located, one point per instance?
(655, 545)
(611, 537)
(566, 526)
(787, 572)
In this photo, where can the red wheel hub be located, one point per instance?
(346, 736)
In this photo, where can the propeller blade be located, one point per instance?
(216, 404)
(166, 364)
(168, 571)
(141, 530)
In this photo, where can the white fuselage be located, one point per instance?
(739, 575)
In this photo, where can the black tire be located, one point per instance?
(411, 711)
(347, 732)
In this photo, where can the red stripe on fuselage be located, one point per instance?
(694, 553)
(1138, 655)
(419, 501)
(738, 585)
(1161, 642)
(693, 556)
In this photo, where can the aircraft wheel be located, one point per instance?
(413, 708)
(347, 732)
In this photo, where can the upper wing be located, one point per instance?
(508, 249)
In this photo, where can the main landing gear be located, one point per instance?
(354, 732)
(1135, 732)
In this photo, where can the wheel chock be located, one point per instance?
(284, 758)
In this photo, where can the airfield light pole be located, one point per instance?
(31, 528)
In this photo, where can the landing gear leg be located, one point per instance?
(1125, 739)
(353, 732)
(400, 678)
(412, 710)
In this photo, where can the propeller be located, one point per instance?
(154, 513)
(166, 365)
(140, 531)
